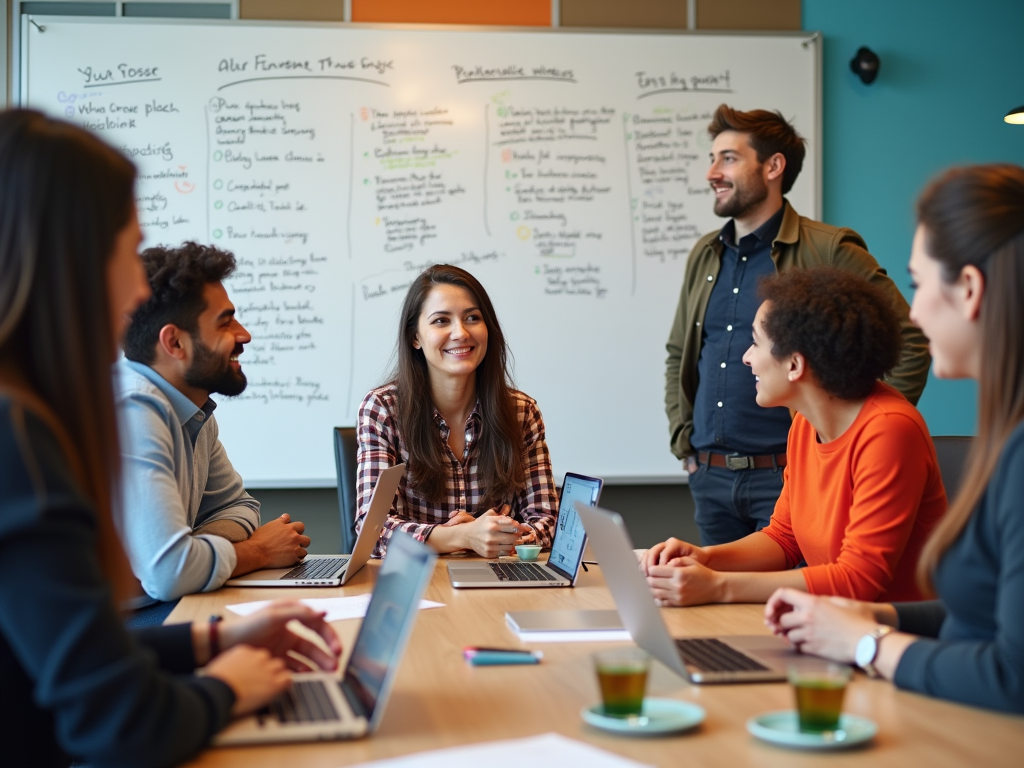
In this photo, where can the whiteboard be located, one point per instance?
(565, 170)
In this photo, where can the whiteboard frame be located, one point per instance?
(20, 86)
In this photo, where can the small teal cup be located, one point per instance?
(527, 551)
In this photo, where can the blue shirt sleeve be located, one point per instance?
(156, 519)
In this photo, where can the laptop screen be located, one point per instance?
(389, 619)
(567, 548)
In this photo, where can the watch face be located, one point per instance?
(867, 648)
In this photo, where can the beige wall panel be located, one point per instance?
(293, 10)
(748, 14)
(649, 14)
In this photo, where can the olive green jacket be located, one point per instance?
(801, 243)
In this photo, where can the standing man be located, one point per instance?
(185, 519)
(734, 450)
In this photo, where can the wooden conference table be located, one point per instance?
(440, 701)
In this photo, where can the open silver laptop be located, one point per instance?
(334, 570)
(325, 705)
(563, 565)
(727, 659)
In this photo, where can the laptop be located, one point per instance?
(563, 565)
(727, 659)
(321, 706)
(334, 570)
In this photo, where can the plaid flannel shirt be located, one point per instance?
(381, 446)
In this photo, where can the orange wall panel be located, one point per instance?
(524, 13)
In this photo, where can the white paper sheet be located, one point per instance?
(338, 608)
(548, 749)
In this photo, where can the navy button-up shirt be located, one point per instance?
(726, 416)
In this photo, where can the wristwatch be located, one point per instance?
(867, 649)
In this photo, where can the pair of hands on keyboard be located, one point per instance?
(256, 659)
(494, 533)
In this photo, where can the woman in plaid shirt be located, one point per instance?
(479, 473)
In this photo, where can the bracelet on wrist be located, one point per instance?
(215, 621)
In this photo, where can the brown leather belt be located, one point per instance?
(736, 462)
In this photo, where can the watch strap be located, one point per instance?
(877, 634)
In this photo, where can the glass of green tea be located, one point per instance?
(622, 676)
(819, 689)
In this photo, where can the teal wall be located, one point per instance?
(950, 70)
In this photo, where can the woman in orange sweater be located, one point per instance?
(862, 487)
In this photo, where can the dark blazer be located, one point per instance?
(73, 680)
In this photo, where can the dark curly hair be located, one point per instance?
(769, 133)
(177, 277)
(844, 326)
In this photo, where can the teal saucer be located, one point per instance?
(783, 728)
(659, 716)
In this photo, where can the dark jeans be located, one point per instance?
(733, 504)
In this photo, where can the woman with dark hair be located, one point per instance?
(861, 489)
(968, 265)
(73, 681)
(478, 471)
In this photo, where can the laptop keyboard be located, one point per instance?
(520, 572)
(306, 701)
(713, 655)
(321, 568)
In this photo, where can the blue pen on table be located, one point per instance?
(488, 657)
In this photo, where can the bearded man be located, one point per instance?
(733, 450)
(185, 519)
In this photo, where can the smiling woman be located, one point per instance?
(862, 489)
(479, 474)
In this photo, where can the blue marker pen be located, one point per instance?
(489, 657)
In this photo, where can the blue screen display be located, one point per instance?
(567, 548)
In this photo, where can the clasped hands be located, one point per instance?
(677, 574)
(494, 533)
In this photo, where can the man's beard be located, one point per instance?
(744, 198)
(211, 372)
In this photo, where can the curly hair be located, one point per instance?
(769, 133)
(845, 327)
(177, 277)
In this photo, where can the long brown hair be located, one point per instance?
(500, 446)
(975, 216)
(64, 197)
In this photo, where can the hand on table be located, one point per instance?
(668, 551)
(493, 534)
(823, 626)
(684, 582)
(280, 542)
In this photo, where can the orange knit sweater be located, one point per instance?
(858, 509)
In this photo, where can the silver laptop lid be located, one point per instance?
(639, 612)
(380, 504)
(570, 537)
(371, 669)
